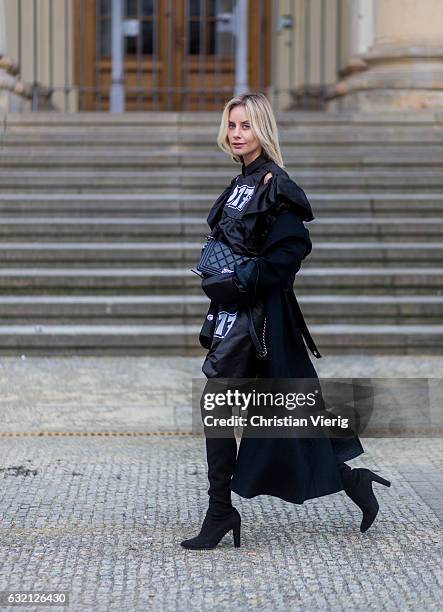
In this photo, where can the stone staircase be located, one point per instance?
(103, 215)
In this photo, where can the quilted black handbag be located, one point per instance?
(217, 258)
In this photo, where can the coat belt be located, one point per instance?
(304, 329)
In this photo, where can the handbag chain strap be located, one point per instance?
(265, 348)
(260, 348)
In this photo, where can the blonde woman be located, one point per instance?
(261, 215)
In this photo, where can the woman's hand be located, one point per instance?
(224, 288)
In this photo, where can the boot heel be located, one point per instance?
(236, 533)
(380, 479)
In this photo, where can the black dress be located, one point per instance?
(267, 220)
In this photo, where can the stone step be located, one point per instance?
(345, 117)
(410, 180)
(315, 280)
(105, 308)
(193, 141)
(195, 128)
(176, 254)
(173, 339)
(137, 204)
(125, 157)
(177, 309)
(94, 205)
(121, 228)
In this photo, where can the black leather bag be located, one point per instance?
(217, 258)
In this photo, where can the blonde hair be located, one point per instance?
(261, 116)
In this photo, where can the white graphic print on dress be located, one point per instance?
(225, 320)
(240, 197)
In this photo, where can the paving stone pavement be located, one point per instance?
(102, 517)
(142, 393)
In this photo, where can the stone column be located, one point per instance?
(15, 92)
(362, 25)
(2, 28)
(403, 68)
(8, 69)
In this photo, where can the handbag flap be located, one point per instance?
(218, 256)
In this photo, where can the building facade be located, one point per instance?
(150, 55)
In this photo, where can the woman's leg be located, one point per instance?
(229, 357)
(221, 516)
(221, 454)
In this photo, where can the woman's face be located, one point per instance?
(242, 139)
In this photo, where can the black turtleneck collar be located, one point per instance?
(254, 165)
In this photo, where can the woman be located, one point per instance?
(261, 214)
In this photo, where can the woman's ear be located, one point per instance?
(267, 177)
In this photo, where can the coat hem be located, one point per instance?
(349, 453)
(348, 456)
(340, 457)
(288, 499)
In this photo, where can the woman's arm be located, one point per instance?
(281, 263)
(288, 243)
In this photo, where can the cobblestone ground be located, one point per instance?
(103, 517)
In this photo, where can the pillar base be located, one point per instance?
(397, 77)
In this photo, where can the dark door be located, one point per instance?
(179, 54)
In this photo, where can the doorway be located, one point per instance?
(178, 54)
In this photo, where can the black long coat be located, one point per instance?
(293, 469)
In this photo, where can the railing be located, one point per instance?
(139, 55)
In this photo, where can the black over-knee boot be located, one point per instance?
(357, 484)
(221, 455)
(221, 516)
